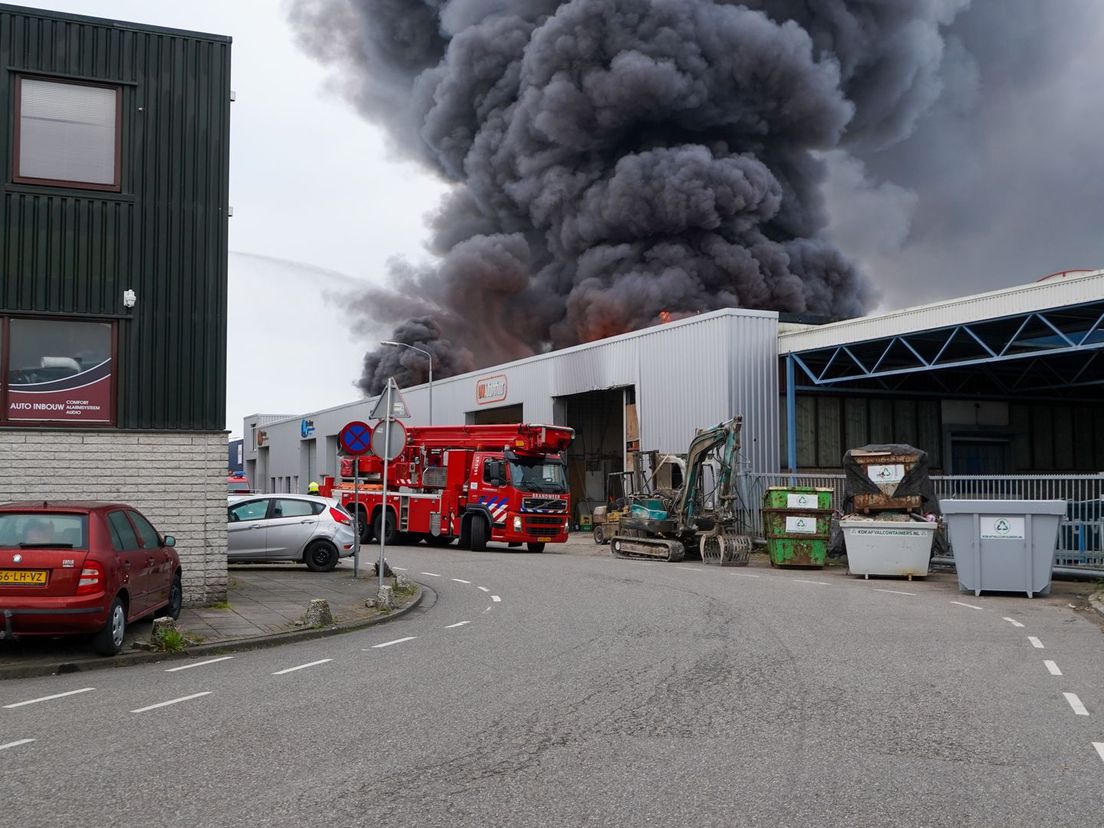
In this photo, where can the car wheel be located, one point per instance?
(388, 532)
(109, 640)
(535, 547)
(176, 600)
(321, 556)
(478, 534)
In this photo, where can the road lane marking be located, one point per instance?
(396, 641)
(803, 581)
(1036, 643)
(461, 581)
(1052, 667)
(1013, 621)
(488, 609)
(1099, 748)
(198, 664)
(302, 666)
(457, 624)
(1076, 704)
(28, 741)
(483, 589)
(969, 606)
(172, 701)
(399, 568)
(49, 698)
(745, 575)
(431, 574)
(690, 568)
(893, 591)
(496, 599)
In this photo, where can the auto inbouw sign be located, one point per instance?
(78, 396)
(490, 389)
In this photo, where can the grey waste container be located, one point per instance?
(1004, 545)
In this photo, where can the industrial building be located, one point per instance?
(1002, 382)
(115, 142)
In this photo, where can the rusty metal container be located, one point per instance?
(885, 470)
(796, 523)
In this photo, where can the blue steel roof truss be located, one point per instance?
(1045, 351)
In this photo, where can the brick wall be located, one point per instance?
(176, 479)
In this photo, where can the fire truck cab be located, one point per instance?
(477, 484)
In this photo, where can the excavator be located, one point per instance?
(649, 473)
(702, 514)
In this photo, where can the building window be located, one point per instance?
(59, 371)
(67, 133)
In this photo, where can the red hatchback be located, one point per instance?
(73, 567)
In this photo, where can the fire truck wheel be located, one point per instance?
(478, 534)
(321, 556)
(364, 526)
(389, 533)
(465, 535)
(535, 547)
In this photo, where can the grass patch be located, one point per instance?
(220, 605)
(170, 641)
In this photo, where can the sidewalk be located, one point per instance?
(264, 602)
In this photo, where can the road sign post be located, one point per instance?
(388, 408)
(356, 439)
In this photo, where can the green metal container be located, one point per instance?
(798, 497)
(797, 522)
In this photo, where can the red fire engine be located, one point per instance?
(478, 483)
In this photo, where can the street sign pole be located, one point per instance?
(356, 517)
(386, 463)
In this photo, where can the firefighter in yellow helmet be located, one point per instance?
(312, 489)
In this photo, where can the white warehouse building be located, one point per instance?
(647, 389)
(1009, 382)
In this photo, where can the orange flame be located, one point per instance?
(664, 317)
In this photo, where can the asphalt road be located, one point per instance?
(571, 688)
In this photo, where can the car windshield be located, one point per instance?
(42, 529)
(537, 475)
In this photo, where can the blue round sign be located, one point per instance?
(356, 438)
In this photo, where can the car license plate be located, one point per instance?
(23, 577)
(544, 540)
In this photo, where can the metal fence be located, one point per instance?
(1081, 536)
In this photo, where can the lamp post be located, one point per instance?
(428, 356)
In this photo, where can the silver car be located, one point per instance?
(286, 527)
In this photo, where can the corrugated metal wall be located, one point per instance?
(164, 235)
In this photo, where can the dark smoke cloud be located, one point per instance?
(617, 159)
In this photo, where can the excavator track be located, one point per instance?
(650, 548)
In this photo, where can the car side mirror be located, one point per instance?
(170, 541)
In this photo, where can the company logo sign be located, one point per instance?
(1002, 528)
(262, 438)
(306, 428)
(490, 389)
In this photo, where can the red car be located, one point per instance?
(71, 567)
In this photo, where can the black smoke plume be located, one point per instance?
(615, 160)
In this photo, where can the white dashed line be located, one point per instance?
(457, 624)
(399, 568)
(968, 606)
(28, 741)
(690, 568)
(198, 664)
(49, 698)
(745, 575)
(483, 589)
(1052, 667)
(803, 581)
(488, 609)
(893, 591)
(1036, 643)
(1013, 621)
(396, 641)
(461, 581)
(496, 599)
(431, 574)
(1076, 704)
(172, 701)
(302, 666)
(1099, 748)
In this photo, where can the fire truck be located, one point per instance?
(476, 483)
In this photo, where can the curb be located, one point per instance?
(232, 645)
(1096, 601)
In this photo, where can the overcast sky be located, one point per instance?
(1009, 192)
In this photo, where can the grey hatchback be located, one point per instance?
(287, 527)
